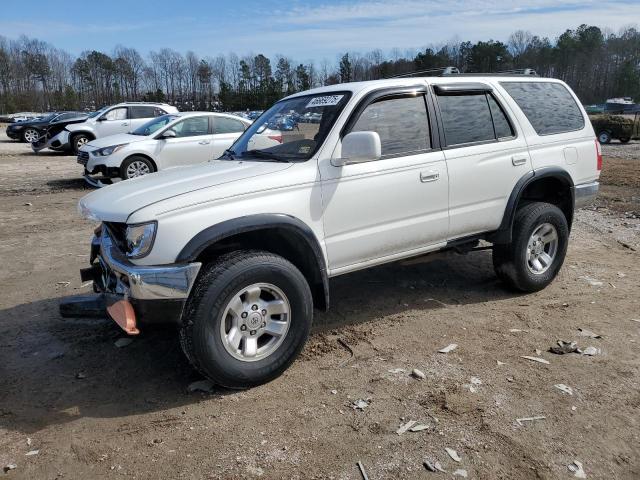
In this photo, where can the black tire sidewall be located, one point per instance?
(133, 158)
(525, 225)
(211, 355)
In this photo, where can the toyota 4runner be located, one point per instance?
(238, 252)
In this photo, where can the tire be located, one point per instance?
(221, 300)
(78, 140)
(136, 166)
(30, 135)
(625, 139)
(515, 263)
(604, 137)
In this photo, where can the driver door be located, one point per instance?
(191, 145)
(113, 122)
(395, 206)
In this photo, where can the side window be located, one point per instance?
(192, 127)
(116, 114)
(401, 122)
(227, 125)
(158, 112)
(549, 107)
(142, 112)
(500, 122)
(466, 119)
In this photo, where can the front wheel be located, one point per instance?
(136, 166)
(30, 135)
(537, 250)
(78, 141)
(247, 318)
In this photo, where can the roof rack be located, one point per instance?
(453, 71)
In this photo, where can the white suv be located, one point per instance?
(238, 252)
(120, 118)
(167, 141)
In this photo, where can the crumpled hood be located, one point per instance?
(117, 202)
(117, 139)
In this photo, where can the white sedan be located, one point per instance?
(167, 141)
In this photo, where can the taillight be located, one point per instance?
(598, 156)
(277, 138)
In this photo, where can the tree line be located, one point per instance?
(36, 76)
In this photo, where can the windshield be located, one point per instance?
(292, 130)
(154, 125)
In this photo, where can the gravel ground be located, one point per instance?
(73, 405)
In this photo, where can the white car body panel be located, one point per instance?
(361, 214)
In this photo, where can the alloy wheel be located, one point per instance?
(542, 248)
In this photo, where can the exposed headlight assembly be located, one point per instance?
(140, 239)
(106, 151)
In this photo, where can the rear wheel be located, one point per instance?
(30, 135)
(136, 166)
(78, 141)
(625, 139)
(537, 250)
(604, 137)
(247, 318)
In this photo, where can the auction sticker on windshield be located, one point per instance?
(325, 101)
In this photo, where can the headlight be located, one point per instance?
(106, 151)
(140, 239)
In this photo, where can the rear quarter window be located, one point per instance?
(549, 107)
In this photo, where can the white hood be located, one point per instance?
(119, 139)
(117, 202)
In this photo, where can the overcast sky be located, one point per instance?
(304, 30)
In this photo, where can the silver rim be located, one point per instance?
(80, 141)
(542, 248)
(255, 322)
(137, 168)
(603, 137)
(31, 136)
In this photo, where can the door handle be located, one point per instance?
(429, 176)
(518, 161)
(125, 124)
(204, 142)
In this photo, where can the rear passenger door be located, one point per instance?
(141, 114)
(486, 155)
(391, 207)
(191, 145)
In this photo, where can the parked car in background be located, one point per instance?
(609, 127)
(120, 118)
(31, 130)
(237, 252)
(167, 141)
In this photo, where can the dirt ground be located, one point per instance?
(92, 410)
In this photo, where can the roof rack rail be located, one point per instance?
(520, 71)
(439, 70)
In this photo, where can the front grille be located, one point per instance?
(83, 158)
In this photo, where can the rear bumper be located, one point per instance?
(585, 194)
(156, 293)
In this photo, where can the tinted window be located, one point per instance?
(227, 125)
(192, 127)
(143, 112)
(549, 107)
(500, 121)
(466, 118)
(402, 124)
(116, 114)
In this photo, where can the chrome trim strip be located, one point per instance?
(149, 283)
(585, 194)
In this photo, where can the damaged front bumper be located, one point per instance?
(135, 294)
(57, 142)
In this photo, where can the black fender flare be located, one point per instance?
(504, 232)
(249, 223)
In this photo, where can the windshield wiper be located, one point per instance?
(267, 155)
